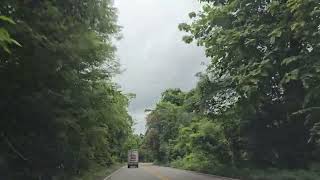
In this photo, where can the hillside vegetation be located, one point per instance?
(255, 112)
(61, 114)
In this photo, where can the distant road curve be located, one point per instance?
(148, 171)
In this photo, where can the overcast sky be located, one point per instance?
(152, 53)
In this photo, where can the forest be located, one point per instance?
(255, 111)
(61, 114)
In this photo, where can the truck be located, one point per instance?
(133, 158)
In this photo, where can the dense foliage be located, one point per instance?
(258, 103)
(61, 114)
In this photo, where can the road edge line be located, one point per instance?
(221, 177)
(108, 177)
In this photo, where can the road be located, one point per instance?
(151, 172)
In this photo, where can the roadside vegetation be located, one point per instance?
(61, 114)
(255, 111)
(254, 114)
(99, 172)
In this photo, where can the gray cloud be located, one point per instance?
(152, 52)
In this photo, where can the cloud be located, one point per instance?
(152, 52)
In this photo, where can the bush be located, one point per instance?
(276, 174)
(200, 163)
(99, 172)
(193, 161)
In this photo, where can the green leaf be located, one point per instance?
(317, 68)
(293, 75)
(184, 27)
(289, 60)
(272, 39)
(192, 15)
(306, 110)
(15, 42)
(250, 42)
(6, 19)
(187, 39)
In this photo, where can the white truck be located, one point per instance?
(133, 158)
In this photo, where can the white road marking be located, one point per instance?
(108, 177)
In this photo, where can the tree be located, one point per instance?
(257, 103)
(61, 114)
(271, 61)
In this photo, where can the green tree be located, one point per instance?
(257, 103)
(269, 51)
(61, 114)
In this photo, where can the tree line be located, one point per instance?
(257, 105)
(61, 113)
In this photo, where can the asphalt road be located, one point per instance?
(151, 172)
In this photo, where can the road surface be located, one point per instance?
(151, 172)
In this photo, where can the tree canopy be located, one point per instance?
(61, 114)
(257, 103)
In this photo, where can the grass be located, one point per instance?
(313, 173)
(99, 173)
(276, 174)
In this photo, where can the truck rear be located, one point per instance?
(133, 158)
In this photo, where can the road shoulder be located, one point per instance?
(199, 173)
(114, 172)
